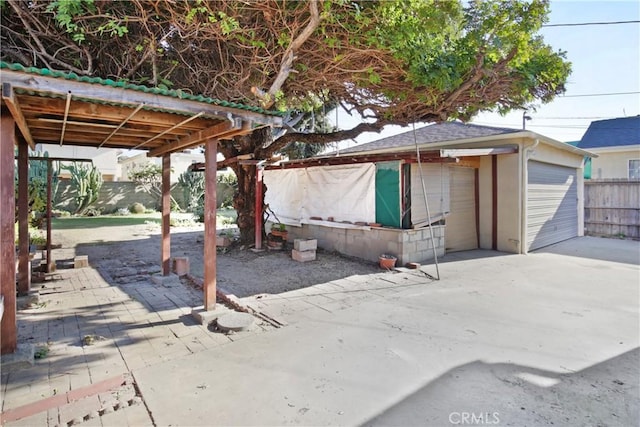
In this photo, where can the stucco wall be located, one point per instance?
(369, 243)
(545, 153)
(612, 165)
(509, 186)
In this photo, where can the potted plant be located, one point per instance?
(279, 230)
(387, 261)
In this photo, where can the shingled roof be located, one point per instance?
(618, 132)
(450, 131)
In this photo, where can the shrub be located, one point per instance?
(92, 212)
(198, 213)
(137, 208)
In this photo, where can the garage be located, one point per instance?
(461, 233)
(552, 204)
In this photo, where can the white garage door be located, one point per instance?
(460, 234)
(552, 204)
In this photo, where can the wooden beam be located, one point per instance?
(84, 112)
(197, 138)
(133, 113)
(259, 214)
(66, 117)
(14, 107)
(467, 152)
(476, 196)
(8, 327)
(50, 265)
(344, 160)
(166, 131)
(166, 215)
(23, 218)
(494, 203)
(224, 135)
(97, 92)
(210, 237)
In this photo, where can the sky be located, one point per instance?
(605, 59)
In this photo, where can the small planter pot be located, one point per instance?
(279, 233)
(387, 261)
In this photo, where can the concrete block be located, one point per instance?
(180, 265)
(81, 261)
(204, 317)
(305, 245)
(223, 241)
(303, 256)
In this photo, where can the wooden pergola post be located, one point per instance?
(166, 214)
(9, 327)
(50, 263)
(259, 213)
(210, 255)
(23, 218)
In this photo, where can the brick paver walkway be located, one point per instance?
(91, 328)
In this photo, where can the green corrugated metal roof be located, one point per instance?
(122, 84)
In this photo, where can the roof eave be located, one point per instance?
(498, 137)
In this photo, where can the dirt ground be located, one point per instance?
(127, 251)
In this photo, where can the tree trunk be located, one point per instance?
(244, 200)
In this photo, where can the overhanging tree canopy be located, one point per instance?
(393, 62)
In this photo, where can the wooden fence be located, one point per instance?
(612, 208)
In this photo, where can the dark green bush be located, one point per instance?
(137, 208)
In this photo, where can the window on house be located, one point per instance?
(634, 169)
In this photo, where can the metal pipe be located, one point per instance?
(426, 202)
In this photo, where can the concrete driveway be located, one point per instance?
(547, 338)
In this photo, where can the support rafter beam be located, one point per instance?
(166, 131)
(66, 117)
(138, 108)
(224, 130)
(8, 96)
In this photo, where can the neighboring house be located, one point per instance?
(105, 159)
(486, 187)
(180, 162)
(617, 144)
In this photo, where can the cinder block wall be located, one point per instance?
(122, 194)
(406, 245)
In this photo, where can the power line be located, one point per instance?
(598, 94)
(571, 118)
(577, 24)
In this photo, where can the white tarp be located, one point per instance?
(285, 192)
(344, 192)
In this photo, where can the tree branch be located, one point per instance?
(289, 55)
(323, 138)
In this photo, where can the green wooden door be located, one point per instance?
(388, 210)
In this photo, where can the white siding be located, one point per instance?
(461, 233)
(436, 183)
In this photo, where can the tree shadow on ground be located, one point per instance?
(480, 393)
